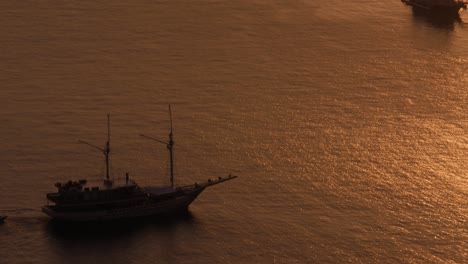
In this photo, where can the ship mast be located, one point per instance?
(169, 145)
(105, 150)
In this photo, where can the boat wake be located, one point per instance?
(20, 212)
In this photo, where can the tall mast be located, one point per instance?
(170, 147)
(105, 150)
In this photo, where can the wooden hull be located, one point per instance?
(154, 208)
(449, 9)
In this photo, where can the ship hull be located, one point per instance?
(151, 208)
(452, 9)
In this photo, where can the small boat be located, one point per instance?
(437, 6)
(112, 199)
(2, 218)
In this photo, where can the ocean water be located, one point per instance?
(346, 122)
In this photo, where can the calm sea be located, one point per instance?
(346, 122)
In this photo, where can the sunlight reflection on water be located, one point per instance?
(346, 124)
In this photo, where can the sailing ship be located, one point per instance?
(437, 6)
(111, 199)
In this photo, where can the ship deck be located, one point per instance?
(108, 185)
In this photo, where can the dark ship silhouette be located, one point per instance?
(437, 6)
(112, 199)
